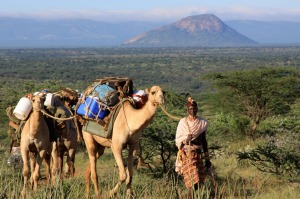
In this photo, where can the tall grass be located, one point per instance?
(233, 180)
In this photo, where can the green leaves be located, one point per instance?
(260, 92)
(280, 155)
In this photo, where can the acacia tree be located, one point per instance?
(158, 139)
(258, 93)
(158, 142)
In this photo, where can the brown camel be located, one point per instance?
(35, 143)
(127, 130)
(67, 145)
(67, 138)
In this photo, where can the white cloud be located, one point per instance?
(168, 14)
(253, 13)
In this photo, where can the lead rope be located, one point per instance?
(168, 114)
(57, 118)
(189, 157)
(189, 135)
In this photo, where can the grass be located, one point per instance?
(233, 180)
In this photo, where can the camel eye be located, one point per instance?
(153, 92)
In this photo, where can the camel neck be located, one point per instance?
(141, 117)
(35, 123)
(150, 109)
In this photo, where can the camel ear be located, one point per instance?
(147, 91)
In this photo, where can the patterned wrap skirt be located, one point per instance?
(193, 168)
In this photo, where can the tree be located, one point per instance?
(158, 139)
(158, 142)
(258, 93)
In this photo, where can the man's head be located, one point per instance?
(192, 107)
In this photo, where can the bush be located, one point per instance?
(228, 126)
(280, 155)
(280, 124)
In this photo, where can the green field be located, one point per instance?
(177, 70)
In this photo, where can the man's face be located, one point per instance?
(192, 110)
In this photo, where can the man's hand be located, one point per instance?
(188, 139)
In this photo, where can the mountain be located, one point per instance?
(276, 32)
(190, 31)
(202, 31)
(17, 32)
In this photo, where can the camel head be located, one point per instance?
(38, 102)
(156, 95)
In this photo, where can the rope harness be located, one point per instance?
(122, 104)
(57, 118)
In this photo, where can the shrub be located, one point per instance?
(228, 126)
(280, 155)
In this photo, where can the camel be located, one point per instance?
(67, 139)
(35, 143)
(67, 144)
(127, 130)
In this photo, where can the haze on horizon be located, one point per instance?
(155, 10)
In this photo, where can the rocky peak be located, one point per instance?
(201, 30)
(207, 22)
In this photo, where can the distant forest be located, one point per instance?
(177, 69)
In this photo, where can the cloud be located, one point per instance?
(255, 13)
(168, 14)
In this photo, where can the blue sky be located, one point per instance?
(152, 10)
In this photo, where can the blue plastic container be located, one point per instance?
(90, 108)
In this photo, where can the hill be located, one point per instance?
(19, 33)
(69, 33)
(202, 31)
(276, 32)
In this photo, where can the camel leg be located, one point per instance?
(32, 158)
(47, 161)
(60, 163)
(87, 181)
(35, 174)
(94, 176)
(24, 154)
(66, 171)
(91, 171)
(54, 155)
(71, 166)
(117, 151)
(70, 169)
(94, 151)
(132, 151)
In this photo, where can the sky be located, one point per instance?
(152, 10)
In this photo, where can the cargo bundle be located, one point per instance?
(98, 105)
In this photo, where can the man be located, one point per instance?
(192, 144)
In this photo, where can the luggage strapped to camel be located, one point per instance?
(99, 105)
(59, 108)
